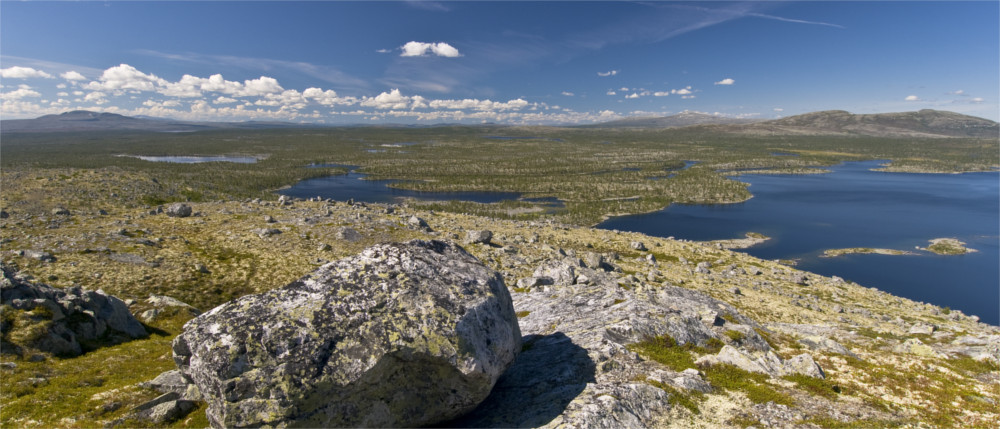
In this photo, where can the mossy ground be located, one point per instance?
(132, 254)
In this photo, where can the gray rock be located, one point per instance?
(348, 234)
(638, 245)
(178, 210)
(39, 255)
(269, 219)
(4, 214)
(594, 261)
(60, 211)
(400, 335)
(805, 365)
(560, 271)
(922, 329)
(530, 282)
(69, 316)
(417, 222)
(266, 232)
(481, 236)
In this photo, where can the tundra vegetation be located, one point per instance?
(889, 361)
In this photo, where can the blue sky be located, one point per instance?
(543, 62)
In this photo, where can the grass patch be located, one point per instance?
(665, 350)
(754, 385)
(815, 386)
(677, 398)
(522, 314)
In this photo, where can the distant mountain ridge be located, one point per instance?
(85, 120)
(682, 119)
(925, 123)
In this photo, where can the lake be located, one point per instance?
(855, 207)
(353, 186)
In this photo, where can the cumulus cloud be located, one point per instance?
(72, 76)
(23, 91)
(224, 100)
(125, 77)
(421, 49)
(568, 94)
(17, 72)
(682, 91)
(911, 98)
(607, 73)
(611, 92)
(977, 100)
(726, 81)
(661, 93)
(632, 95)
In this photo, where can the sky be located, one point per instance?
(537, 62)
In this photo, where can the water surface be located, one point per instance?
(856, 207)
(353, 186)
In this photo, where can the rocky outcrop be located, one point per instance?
(577, 370)
(61, 321)
(400, 335)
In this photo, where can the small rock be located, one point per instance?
(324, 247)
(922, 328)
(267, 232)
(178, 210)
(60, 211)
(638, 245)
(39, 255)
(481, 236)
(735, 291)
(416, 222)
(269, 219)
(348, 234)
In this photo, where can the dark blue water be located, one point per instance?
(353, 186)
(856, 207)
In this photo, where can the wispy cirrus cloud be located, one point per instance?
(329, 74)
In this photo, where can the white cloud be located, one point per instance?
(682, 91)
(611, 92)
(977, 100)
(420, 49)
(23, 91)
(568, 94)
(911, 98)
(726, 81)
(607, 73)
(224, 100)
(778, 109)
(479, 105)
(632, 95)
(17, 72)
(96, 97)
(661, 93)
(72, 76)
(126, 77)
(687, 96)
(959, 92)
(383, 51)
(623, 89)
(387, 100)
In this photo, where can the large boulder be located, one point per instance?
(61, 321)
(408, 334)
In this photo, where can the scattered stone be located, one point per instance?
(638, 245)
(269, 219)
(416, 222)
(703, 268)
(735, 291)
(479, 236)
(60, 211)
(201, 269)
(560, 271)
(531, 282)
(651, 259)
(348, 234)
(266, 232)
(39, 255)
(359, 337)
(324, 247)
(916, 347)
(61, 318)
(922, 329)
(4, 214)
(178, 210)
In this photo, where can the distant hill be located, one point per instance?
(682, 119)
(83, 120)
(924, 123)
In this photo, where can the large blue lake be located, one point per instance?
(856, 207)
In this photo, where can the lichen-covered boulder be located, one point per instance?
(408, 334)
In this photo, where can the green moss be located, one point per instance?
(665, 350)
(815, 386)
(522, 314)
(736, 336)
(832, 423)
(971, 366)
(754, 385)
(676, 397)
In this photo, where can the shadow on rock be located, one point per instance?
(537, 388)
